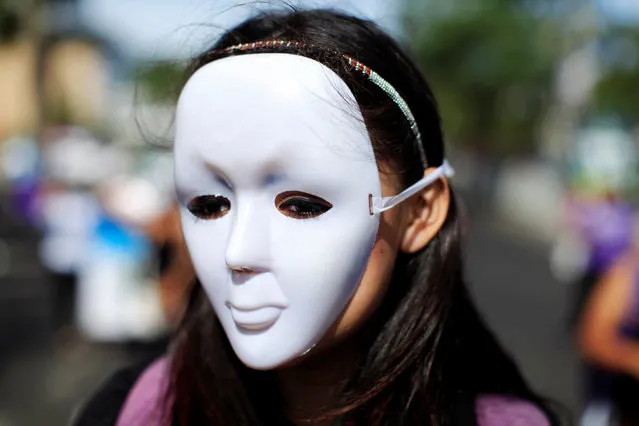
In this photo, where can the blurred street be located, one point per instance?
(526, 307)
(511, 281)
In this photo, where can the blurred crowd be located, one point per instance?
(110, 234)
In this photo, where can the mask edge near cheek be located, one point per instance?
(352, 291)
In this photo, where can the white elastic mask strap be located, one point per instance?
(380, 204)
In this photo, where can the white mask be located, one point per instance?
(273, 155)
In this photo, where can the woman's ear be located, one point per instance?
(427, 212)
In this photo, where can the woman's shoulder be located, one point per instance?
(133, 395)
(114, 396)
(498, 410)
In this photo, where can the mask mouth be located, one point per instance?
(254, 318)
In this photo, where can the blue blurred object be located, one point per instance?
(115, 236)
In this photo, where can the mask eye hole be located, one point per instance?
(300, 205)
(209, 206)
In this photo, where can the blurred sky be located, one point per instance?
(158, 29)
(622, 10)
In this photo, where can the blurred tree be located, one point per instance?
(9, 21)
(159, 82)
(615, 92)
(491, 65)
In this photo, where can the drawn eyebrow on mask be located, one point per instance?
(224, 182)
(218, 175)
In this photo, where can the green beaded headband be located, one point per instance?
(372, 76)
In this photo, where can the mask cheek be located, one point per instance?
(320, 279)
(205, 241)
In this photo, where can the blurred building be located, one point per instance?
(59, 71)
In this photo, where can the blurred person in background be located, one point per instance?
(601, 224)
(176, 274)
(608, 335)
(599, 220)
(118, 297)
(67, 215)
(140, 231)
(307, 311)
(605, 227)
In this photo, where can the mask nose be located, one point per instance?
(248, 245)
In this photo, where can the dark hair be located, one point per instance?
(429, 354)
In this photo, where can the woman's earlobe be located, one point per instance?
(429, 210)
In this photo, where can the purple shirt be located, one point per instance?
(607, 229)
(143, 405)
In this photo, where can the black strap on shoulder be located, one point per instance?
(464, 413)
(103, 408)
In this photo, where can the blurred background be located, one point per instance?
(539, 107)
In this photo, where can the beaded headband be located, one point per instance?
(376, 204)
(366, 70)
